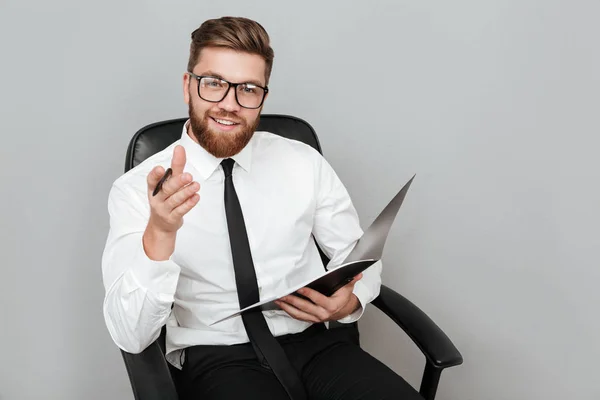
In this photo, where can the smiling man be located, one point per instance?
(234, 223)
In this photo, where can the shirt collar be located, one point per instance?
(205, 162)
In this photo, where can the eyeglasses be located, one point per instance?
(214, 90)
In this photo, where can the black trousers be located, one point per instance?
(330, 363)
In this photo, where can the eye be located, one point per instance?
(213, 83)
(249, 88)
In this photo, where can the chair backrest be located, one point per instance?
(157, 136)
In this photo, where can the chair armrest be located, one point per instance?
(433, 342)
(149, 374)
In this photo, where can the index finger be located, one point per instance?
(312, 295)
(178, 160)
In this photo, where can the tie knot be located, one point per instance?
(227, 166)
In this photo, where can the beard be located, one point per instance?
(221, 144)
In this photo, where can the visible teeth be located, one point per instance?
(224, 122)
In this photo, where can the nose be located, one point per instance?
(229, 103)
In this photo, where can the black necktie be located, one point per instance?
(265, 345)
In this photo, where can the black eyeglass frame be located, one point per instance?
(229, 86)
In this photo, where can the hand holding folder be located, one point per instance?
(367, 251)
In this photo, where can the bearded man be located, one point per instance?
(239, 202)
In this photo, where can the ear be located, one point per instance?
(186, 88)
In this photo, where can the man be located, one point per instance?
(172, 253)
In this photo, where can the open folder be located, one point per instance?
(367, 251)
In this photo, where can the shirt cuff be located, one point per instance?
(363, 295)
(159, 277)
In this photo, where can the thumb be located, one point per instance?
(354, 280)
(154, 176)
(348, 287)
(178, 161)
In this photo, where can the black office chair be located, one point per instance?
(153, 378)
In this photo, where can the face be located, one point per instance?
(223, 128)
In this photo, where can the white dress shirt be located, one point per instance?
(287, 192)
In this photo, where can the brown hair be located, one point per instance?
(236, 33)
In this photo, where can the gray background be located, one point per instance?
(493, 104)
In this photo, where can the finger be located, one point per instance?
(316, 297)
(178, 160)
(154, 176)
(306, 306)
(175, 183)
(182, 195)
(353, 280)
(350, 285)
(295, 313)
(161, 182)
(357, 278)
(330, 304)
(186, 206)
(347, 289)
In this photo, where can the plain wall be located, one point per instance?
(493, 104)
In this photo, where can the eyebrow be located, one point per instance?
(217, 75)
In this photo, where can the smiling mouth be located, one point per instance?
(224, 122)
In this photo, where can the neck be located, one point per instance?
(190, 133)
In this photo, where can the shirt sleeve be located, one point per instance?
(337, 230)
(139, 291)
